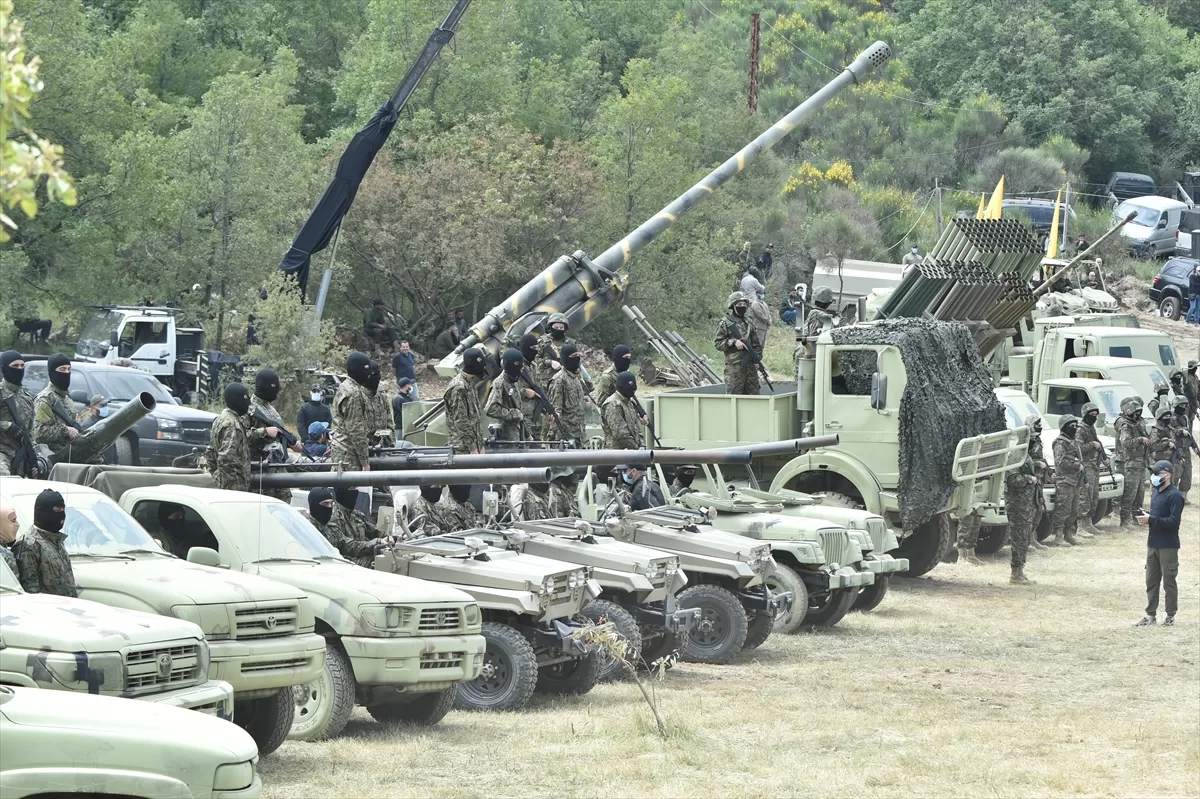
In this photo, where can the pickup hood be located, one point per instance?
(502, 569)
(706, 541)
(774, 526)
(63, 624)
(160, 582)
(598, 551)
(348, 586)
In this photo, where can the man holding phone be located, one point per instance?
(1162, 544)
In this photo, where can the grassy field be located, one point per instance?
(958, 685)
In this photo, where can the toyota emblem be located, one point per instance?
(443, 619)
(164, 664)
(270, 622)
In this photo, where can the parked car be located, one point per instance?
(1189, 223)
(167, 432)
(1169, 290)
(1152, 230)
(1124, 185)
(1038, 214)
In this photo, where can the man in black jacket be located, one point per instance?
(315, 410)
(1162, 545)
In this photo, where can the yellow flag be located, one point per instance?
(1052, 247)
(979, 213)
(994, 205)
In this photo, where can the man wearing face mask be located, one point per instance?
(819, 317)
(1185, 445)
(94, 411)
(682, 483)
(8, 538)
(1162, 544)
(619, 416)
(643, 492)
(567, 395)
(1177, 384)
(227, 458)
(528, 346)
(352, 412)
(172, 528)
(16, 417)
(550, 346)
(1036, 454)
(1161, 390)
(350, 533)
(53, 412)
(562, 499)
(1068, 471)
(266, 391)
(44, 565)
(382, 420)
(1093, 458)
(1133, 450)
(462, 403)
(505, 398)
(314, 410)
(735, 335)
(429, 505)
(606, 384)
(457, 510)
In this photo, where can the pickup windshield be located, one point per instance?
(97, 526)
(283, 533)
(1109, 400)
(1016, 409)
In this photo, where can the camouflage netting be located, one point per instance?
(948, 398)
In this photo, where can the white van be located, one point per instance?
(1152, 230)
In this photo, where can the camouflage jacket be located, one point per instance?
(1184, 444)
(729, 331)
(606, 386)
(45, 566)
(1036, 451)
(528, 505)
(9, 559)
(351, 534)
(227, 458)
(1068, 461)
(353, 423)
(561, 502)
(1018, 479)
(1162, 443)
(458, 515)
(48, 427)
(504, 404)
(436, 522)
(1154, 404)
(256, 437)
(679, 489)
(548, 350)
(382, 431)
(1130, 449)
(567, 395)
(816, 321)
(622, 428)
(1085, 437)
(1192, 381)
(23, 401)
(462, 414)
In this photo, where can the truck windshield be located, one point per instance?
(97, 526)
(284, 533)
(96, 335)
(1016, 409)
(1109, 400)
(1147, 217)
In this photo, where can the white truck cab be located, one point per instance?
(150, 337)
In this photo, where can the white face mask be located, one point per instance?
(1156, 480)
(316, 396)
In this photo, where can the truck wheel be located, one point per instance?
(758, 630)
(661, 647)
(869, 598)
(1170, 307)
(575, 677)
(268, 720)
(509, 675)
(830, 608)
(1101, 510)
(991, 538)
(324, 705)
(424, 709)
(924, 548)
(786, 579)
(626, 626)
(839, 500)
(721, 631)
(125, 457)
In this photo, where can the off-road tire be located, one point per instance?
(626, 626)
(1102, 509)
(721, 631)
(869, 598)
(1170, 307)
(659, 648)
(571, 677)
(509, 654)
(992, 538)
(925, 547)
(323, 706)
(840, 500)
(826, 611)
(268, 720)
(125, 457)
(758, 630)
(786, 579)
(424, 709)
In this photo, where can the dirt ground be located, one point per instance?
(957, 685)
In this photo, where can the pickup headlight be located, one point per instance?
(386, 617)
(758, 558)
(547, 586)
(169, 430)
(234, 776)
(471, 615)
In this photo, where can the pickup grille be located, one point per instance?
(274, 665)
(562, 590)
(196, 432)
(439, 620)
(442, 660)
(165, 668)
(839, 547)
(877, 529)
(256, 620)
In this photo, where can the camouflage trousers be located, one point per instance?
(1135, 489)
(741, 380)
(1089, 491)
(1022, 522)
(1183, 473)
(968, 531)
(1065, 519)
(5, 466)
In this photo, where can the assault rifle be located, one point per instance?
(257, 414)
(641, 412)
(543, 402)
(25, 460)
(751, 355)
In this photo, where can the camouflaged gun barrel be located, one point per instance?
(562, 457)
(406, 477)
(1042, 289)
(581, 289)
(789, 447)
(100, 436)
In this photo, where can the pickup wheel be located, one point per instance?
(869, 598)
(268, 720)
(924, 548)
(424, 709)
(626, 627)
(509, 674)
(723, 625)
(659, 648)
(125, 457)
(991, 538)
(1170, 307)
(575, 677)
(323, 706)
(758, 630)
(786, 579)
(830, 608)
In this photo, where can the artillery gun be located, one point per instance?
(89, 444)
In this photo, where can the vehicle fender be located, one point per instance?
(836, 462)
(19, 679)
(622, 582)
(805, 553)
(122, 599)
(734, 570)
(93, 781)
(522, 603)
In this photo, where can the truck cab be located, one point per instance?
(1061, 344)
(1141, 374)
(150, 337)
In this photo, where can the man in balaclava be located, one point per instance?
(530, 502)
(16, 417)
(349, 531)
(227, 458)
(457, 510)
(1162, 436)
(1093, 458)
(1020, 494)
(1038, 457)
(172, 529)
(530, 406)
(550, 346)
(567, 395)
(44, 563)
(1191, 387)
(682, 483)
(562, 500)
(429, 506)
(461, 400)
(352, 411)
(504, 400)
(382, 419)
(1131, 456)
(1068, 472)
(1161, 389)
(53, 412)
(1185, 445)
(606, 384)
(620, 418)
(737, 340)
(266, 391)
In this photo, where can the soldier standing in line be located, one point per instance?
(504, 399)
(266, 391)
(567, 396)
(44, 565)
(1036, 454)
(1191, 390)
(606, 384)
(1160, 396)
(550, 346)
(1178, 385)
(967, 539)
(462, 404)
(1162, 437)
(1093, 457)
(16, 429)
(1068, 470)
(622, 423)
(1185, 445)
(352, 411)
(1020, 487)
(53, 407)
(227, 458)
(1133, 448)
(457, 510)
(429, 506)
(528, 345)
(350, 532)
(736, 339)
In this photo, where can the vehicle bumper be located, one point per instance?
(214, 697)
(429, 662)
(263, 666)
(252, 791)
(883, 565)
(161, 452)
(762, 600)
(819, 581)
(666, 615)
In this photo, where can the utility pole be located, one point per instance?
(937, 187)
(1066, 216)
(752, 100)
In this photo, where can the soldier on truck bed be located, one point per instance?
(353, 413)
(504, 402)
(462, 404)
(606, 384)
(550, 346)
(266, 391)
(735, 337)
(619, 416)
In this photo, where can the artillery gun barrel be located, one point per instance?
(407, 477)
(551, 458)
(789, 447)
(101, 435)
(1045, 287)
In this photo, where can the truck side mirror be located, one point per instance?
(204, 556)
(114, 338)
(79, 396)
(879, 391)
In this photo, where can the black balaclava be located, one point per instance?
(11, 373)
(513, 362)
(1069, 429)
(170, 518)
(60, 381)
(237, 398)
(45, 516)
(529, 347)
(1133, 411)
(472, 362)
(460, 493)
(431, 493)
(358, 366)
(1090, 418)
(266, 385)
(346, 497)
(626, 384)
(373, 375)
(621, 356)
(556, 334)
(570, 357)
(315, 509)
(684, 475)
(740, 307)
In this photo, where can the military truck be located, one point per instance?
(1053, 355)
(153, 339)
(260, 632)
(66, 744)
(396, 646)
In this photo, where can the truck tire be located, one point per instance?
(323, 706)
(424, 709)
(992, 538)
(626, 626)
(925, 547)
(571, 677)
(268, 720)
(661, 647)
(840, 500)
(125, 457)
(721, 631)
(869, 598)
(758, 630)
(786, 579)
(1170, 307)
(509, 675)
(830, 608)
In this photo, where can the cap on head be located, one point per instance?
(1162, 466)
(404, 381)
(317, 429)
(1177, 373)
(558, 319)
(1192, 365)
(1033, 421)
(98, 399)
(1161, 388)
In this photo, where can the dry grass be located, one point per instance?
(959, 685)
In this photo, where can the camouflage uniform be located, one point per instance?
(1183, 450)
(48, 427)
(9, 443)
(257, 439)
(528, 505)
(739, 378)
(548, 350)
(1068, 462)
(1037, 453)
(382, 431)
(1089, 491)
(227, 458)
(1131, 460)
(567, 395)
(968, 531)
(561, 501)
(606, 386)
(1157, 400)
(1020, 507)
(45, 566)
(1162, 442)
(457, 515)
(7, 556)
(353, 423)
(462, 414)
(351, 534)
(436, 521)
(622, 427)
(504, 404)
(1191, 382)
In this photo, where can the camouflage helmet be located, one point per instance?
(822, 296)
(1161, 388)
(1181, 401)
(1131, 405)
(1176, 373)
(1193, 364)
(1088, 407)
(1163, 413)
(557, 318)
(1033, 421)
(736, 297)
(1067, 419)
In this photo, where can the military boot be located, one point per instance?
(1126, 520)
(1082, 530)
(1035, 544)
(968, 556)
(1070, 538)
(1018, 576)
(1091, 529)
(1059, 542)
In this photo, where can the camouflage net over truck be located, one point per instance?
(948, 398)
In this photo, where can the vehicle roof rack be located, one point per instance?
(143, 308)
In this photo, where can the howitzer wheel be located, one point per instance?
(323, 706)
(869, 598)
(828, 609)
(424, 709)
(626, 627)
(721, 631)
(925, 547)
(509, 674)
